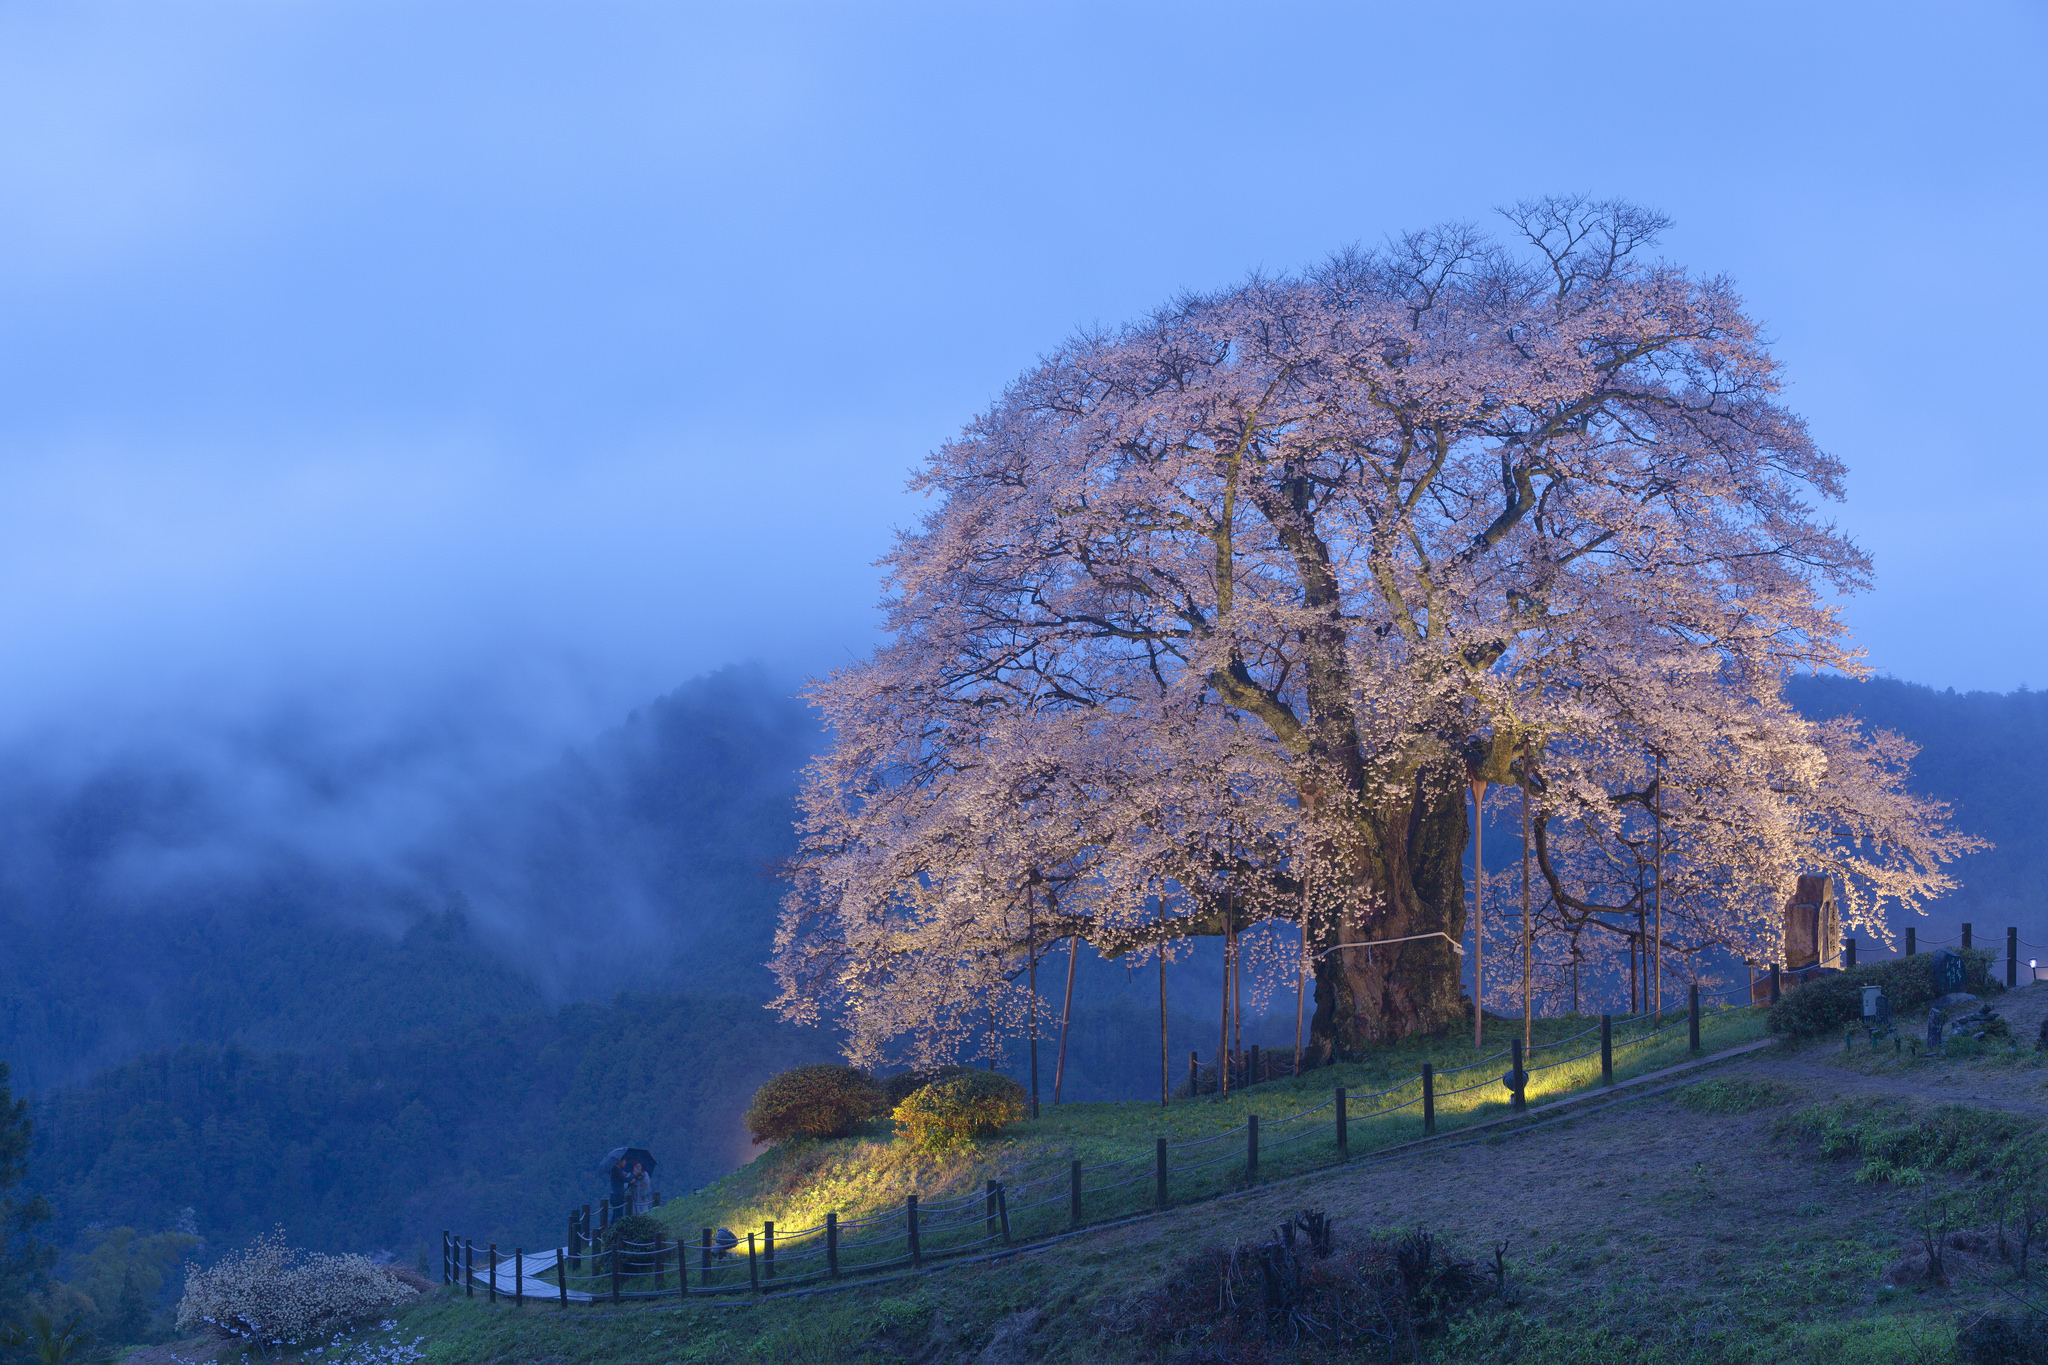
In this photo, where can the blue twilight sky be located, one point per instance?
(568, 349)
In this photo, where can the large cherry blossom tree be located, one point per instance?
(1217, 617)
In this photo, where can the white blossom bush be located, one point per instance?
(274, 1294)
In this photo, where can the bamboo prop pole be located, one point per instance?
(1478, 914)
(1657, 816)
(1059, 1067)
(1031, 948)
(1165, 1065)
(1528, 929)
(1223, 1042)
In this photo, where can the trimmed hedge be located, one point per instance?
(1826, 1003)
(814, 1102)
(954, 1112)
(904, 1084)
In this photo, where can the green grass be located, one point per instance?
(1892, 1142)
(1742, 1095)
(867, 1176)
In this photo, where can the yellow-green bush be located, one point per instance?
(814, 1102)
(954, 1112)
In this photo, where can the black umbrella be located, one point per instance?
(629, 1155)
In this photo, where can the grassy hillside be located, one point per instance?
(1767, 1210)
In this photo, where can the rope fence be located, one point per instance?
(595, 1266)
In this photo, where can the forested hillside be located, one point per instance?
(638, 862)
(366, 1058)
(1981, 752)
(497, 1123)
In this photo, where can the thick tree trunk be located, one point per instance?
(1408, 859)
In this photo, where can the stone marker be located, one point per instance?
(1949, 976)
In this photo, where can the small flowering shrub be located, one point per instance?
(956, 1111)
(270, 1294)
(813, 1102)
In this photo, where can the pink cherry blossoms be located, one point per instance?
(1218, 614)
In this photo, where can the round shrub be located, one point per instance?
(1825, 1004)
(634, 1237)
(904, 1084)
(955, 1111)
(813, 1102)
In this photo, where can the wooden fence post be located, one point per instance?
(1848, 954)
(988, 1226)
(832, 1246)
(494, 1273)
(1518, 1079)
(1692, 1017)
(468, 1269)
(1003, 1211)
(704, 1261)
(768, 1245)
(1160, 1162)
(1428, 1099)
(2012, 956)
(1967, 941)
(1251, 1149)
(1343, 1107)
(1776, 987)
(1252, 1075)
(447, 1272)
(1074, 1194)
(1607, 1049)
(562, 1278)
(1912, 940)
(519, 1277)
(753, 1266)
(910, 1228)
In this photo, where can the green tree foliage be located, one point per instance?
(23, 1261)
(493, 1129)
(813, 1102)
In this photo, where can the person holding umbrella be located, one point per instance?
(630, 1170)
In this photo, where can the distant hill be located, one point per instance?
(638, 861)
(1983, 752)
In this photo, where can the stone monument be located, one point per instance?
(1813, 929)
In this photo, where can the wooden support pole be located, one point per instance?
(1966, 938)
(1251, 1149)
(910, 1227)
(768, 1246)
(832, 1246)
(1692, 1015)
(1343, 1108)
(1428, 1099)
(1607, 1049)
(1074, 1194)
(1059, 1067)
(2012, 956)
(1159, 1161)
(1912, 941)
